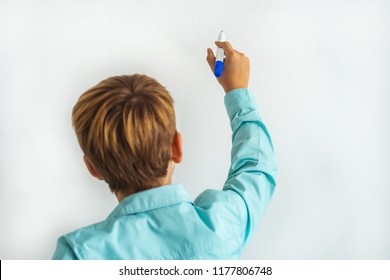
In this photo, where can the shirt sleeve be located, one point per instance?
(64, 251)
(253, 167)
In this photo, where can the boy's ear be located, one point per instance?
(91, 169)
(177, 148)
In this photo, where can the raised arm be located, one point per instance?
(253, 167)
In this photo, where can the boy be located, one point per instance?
(126, 128)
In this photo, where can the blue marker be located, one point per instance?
(218, 67)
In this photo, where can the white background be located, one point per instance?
(320, 74)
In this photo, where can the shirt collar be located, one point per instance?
(152, 199)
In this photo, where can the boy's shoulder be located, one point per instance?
(141, 202)
(72, 244)
(82, 234)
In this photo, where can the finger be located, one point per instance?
(210, 59)
(226, 46)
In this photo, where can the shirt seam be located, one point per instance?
(78, 247)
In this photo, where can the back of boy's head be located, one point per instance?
(125, 126)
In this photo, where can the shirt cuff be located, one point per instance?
(238, 100)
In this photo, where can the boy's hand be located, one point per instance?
(235, 72)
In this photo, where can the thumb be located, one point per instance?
(210, 59)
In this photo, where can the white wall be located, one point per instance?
(320, 74)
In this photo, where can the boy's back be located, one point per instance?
(162, 222)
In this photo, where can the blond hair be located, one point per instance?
(125, 126)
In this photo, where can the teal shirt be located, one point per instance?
(165, 223)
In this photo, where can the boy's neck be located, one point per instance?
(167, 180)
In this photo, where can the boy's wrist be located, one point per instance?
(237, 90)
